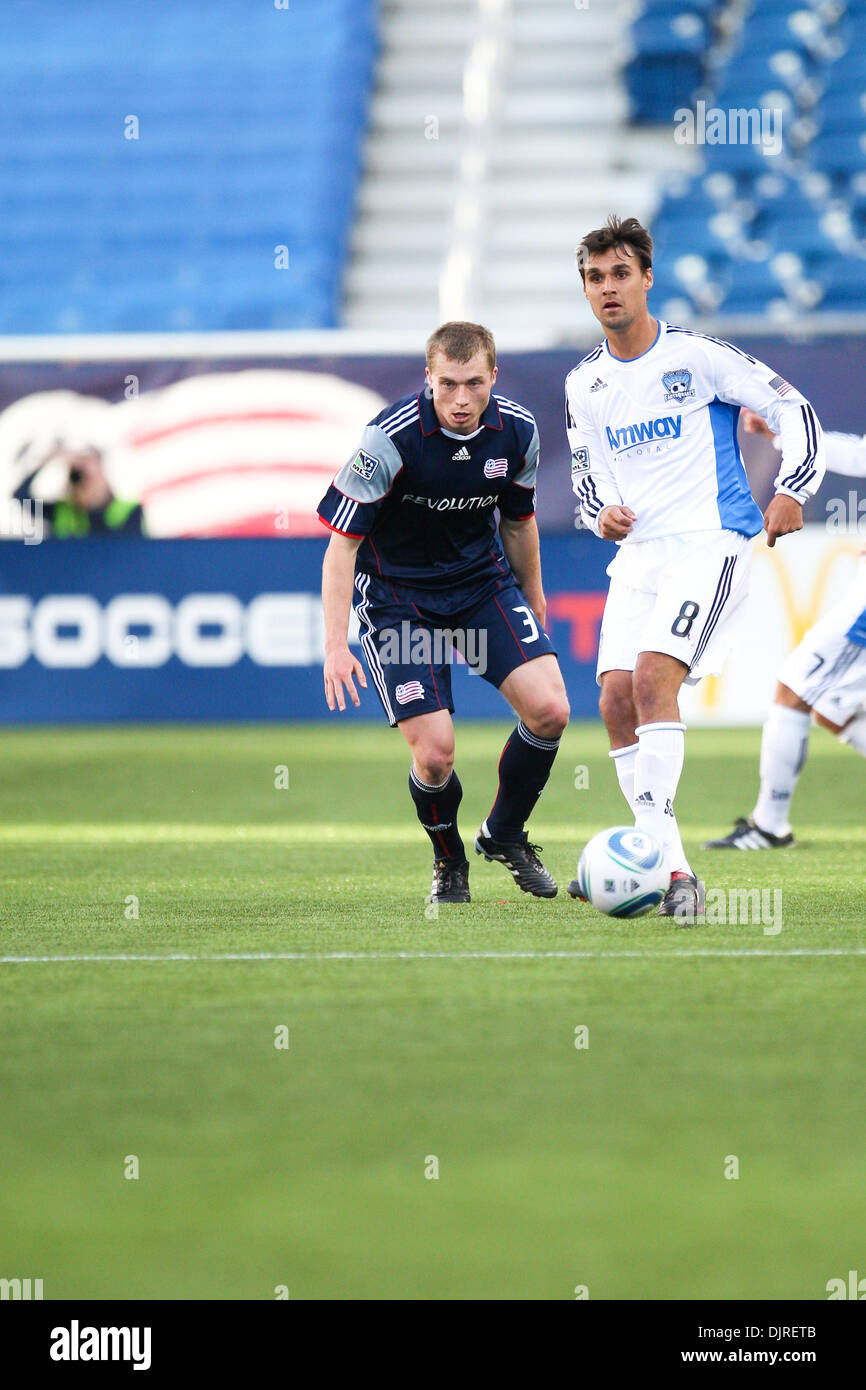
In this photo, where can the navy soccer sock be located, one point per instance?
(524, 768)
(437, 812)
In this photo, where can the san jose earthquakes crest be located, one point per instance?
(678, 385)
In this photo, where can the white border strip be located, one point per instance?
(442, 955)
(351, 342)
(331, 342)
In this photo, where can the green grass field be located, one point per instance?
(412, 1037)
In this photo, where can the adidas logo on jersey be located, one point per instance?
(461, 456)
(597, 385)
(645, 799)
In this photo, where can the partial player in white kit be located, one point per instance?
(824, 676)
(651, 415)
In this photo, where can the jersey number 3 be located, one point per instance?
(528, 621)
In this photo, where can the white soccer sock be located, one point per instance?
(658, 765)
(624, 764)
(784, 745)
(855, 734)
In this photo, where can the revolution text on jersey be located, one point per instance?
(423, 498)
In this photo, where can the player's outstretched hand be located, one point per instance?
(615, 522)
(784, 515)
(340, 669)
(753, 423)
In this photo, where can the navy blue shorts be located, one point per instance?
(410, 650)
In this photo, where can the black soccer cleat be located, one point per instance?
(685, 901)
(450, 881)
(520, 859)
(574, 890)
(747, 835)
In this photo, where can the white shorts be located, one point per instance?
(683, 595)
(828, 670)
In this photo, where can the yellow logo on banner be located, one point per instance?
(800, 617)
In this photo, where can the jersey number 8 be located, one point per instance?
(687, 614)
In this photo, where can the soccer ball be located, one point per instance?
(622, 872)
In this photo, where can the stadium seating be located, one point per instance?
(794, 217)
(750, 286)
(250, 122)
(669, 62)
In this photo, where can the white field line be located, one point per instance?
(711, 953)
(318, 833)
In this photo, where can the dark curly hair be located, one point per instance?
(616, 233)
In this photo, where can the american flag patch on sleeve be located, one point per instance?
(781, 386)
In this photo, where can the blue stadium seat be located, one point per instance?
(689, 235)
(666, 33)
(752, 71)
(759, 86)
(779, 195)
(855, 194)
(750, 285)
(842, 108)
(747, 159)
(251, 122)
(803, 236)
(768, 7)
(770, 33)
(849, 70)
(705, 8)
(838, 155)
(736, 95)
(844, 284)
(691, 202)
(668, 65)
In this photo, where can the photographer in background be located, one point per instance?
(88, 506)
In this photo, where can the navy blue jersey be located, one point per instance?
(424, 499)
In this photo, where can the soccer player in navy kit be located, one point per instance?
(414, 546)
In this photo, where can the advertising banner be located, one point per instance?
(226, 445)
(127, 629)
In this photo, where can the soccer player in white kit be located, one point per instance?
(651, 415)
(824, 676)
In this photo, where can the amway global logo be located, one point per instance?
(76, 1343)
(668, 427)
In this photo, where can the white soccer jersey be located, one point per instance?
(658, 434)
